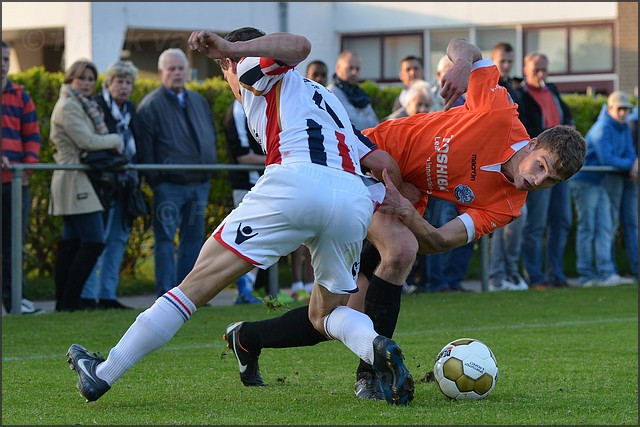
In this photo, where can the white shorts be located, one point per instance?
(326, 209)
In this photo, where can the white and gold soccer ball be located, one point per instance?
(466, 369)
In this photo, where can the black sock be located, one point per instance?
(382, 305)
(292, 329)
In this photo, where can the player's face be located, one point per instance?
(536, 171)
(231, 76)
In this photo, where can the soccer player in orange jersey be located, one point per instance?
(477, 155)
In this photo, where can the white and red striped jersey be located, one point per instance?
(296, 119)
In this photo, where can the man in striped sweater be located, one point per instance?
(20, 144)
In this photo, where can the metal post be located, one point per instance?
(16, 240)
(273, 281)
(484, 261)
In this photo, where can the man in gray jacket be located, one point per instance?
(176, 128)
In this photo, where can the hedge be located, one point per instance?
(45, 230)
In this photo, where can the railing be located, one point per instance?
(17, 172)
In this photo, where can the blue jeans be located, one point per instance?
(593, 231)
(624, 211)
(103, 281)
(549, 211)
(445, 270)
(629, 222)
(88, 228)
(177, 206)
(506, 247)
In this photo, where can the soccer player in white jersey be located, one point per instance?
(312, 192)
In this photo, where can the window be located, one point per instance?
(381, 54)
(574, 49)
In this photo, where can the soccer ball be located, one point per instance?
(466, 369)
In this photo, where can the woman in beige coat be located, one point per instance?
(77, 124)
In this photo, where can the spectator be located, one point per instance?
(502, 56)
(77, 124)
(610, 138)
(608, 143)
(353, 98)
(506, 242)
(120, 118)
(629, 207)
(176, 128)
(541, 107)
(444, 271)
(411, 69)
(317, 71)
(20, 144)
(242, 148)
(417, 100)
(437, 102)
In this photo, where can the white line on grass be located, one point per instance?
(430, 331)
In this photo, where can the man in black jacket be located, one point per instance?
(176, 128)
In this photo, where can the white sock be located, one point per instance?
(152, 329)
(296, 286)
(354, 329)
(308, 287)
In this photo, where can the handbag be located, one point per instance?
(103, 179)
(103, 159)
(134, 199)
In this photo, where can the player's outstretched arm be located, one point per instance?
(431, 240)
(287, 48)
(454, 83)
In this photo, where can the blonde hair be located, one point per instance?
(120, 69)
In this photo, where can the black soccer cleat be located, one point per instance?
(91, 387)
(247, 363)
(396, 382)
(368, 387)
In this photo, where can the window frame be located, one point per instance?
(567, 45)
(381, 39)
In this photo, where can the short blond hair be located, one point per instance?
(120, 69)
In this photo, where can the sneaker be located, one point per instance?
(247, 363)
(301, 295)
(27, 307)
(91, 387)
(518, 283)
(495, 286)
(395, 379)
(615, 280)
(248, 299)
(588, 283)
(368, 387)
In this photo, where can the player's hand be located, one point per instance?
(394, 203)
(209, 44)
(455, 82)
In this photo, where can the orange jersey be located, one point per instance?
(456, 155)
